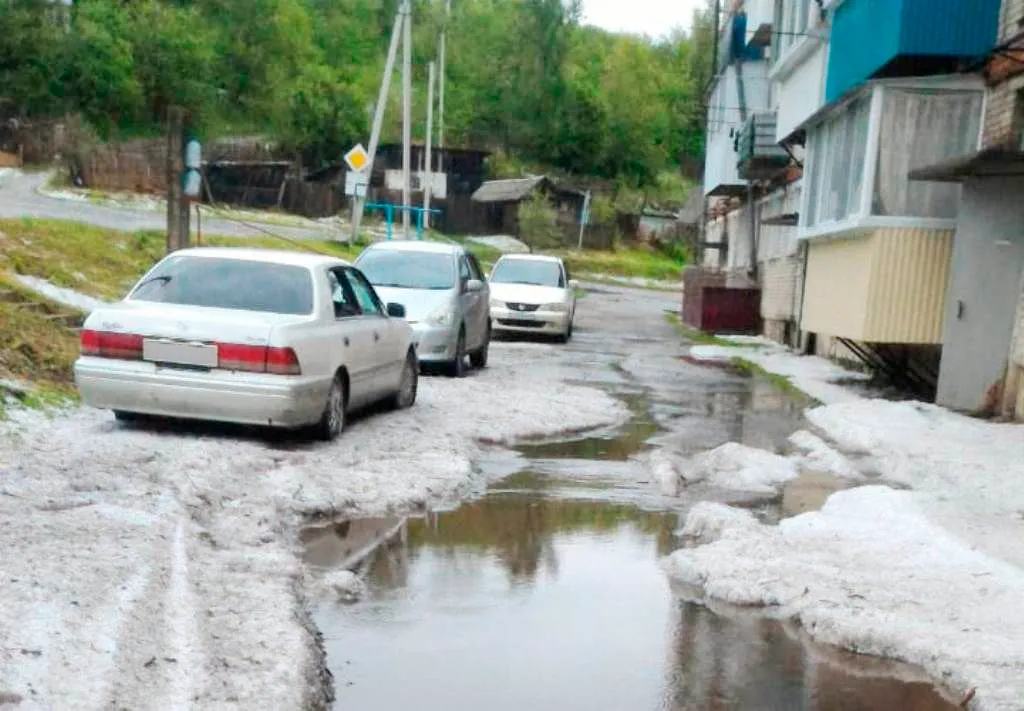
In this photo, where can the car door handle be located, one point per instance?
(376, 336)
(346, 341)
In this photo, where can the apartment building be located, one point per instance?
(860, 93)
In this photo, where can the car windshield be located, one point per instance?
(229, 284)
(528, 271)
(408, 269)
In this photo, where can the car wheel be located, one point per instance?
(407, 388)
(479, 358)
(332, 421)
(457, 368)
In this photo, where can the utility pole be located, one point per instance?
(406, 119)
(358, 202)
(429, 172)
(177, 209)
(440, 101)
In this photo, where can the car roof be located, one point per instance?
(422, 246)
(271, 256)
(531, 258)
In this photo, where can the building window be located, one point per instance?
(837, 150)
(920, 128)
(1017, 127)
(791, 25)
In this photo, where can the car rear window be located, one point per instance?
(407, 269)
(225, 283)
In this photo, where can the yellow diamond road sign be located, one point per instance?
(357, 158)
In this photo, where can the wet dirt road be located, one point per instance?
(546, 591)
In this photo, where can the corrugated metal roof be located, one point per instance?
(512, 190)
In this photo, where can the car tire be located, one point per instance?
(478, 359)
(457, 368)
(332, 421)
(408, 386)
(565, 337)
(122, 416)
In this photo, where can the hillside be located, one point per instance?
(523, 76)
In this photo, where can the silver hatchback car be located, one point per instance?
(445, 295)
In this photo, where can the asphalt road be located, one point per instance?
(19, 197)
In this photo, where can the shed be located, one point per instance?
(499, 202)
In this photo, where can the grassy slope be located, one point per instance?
(95, 261)
(33, 346)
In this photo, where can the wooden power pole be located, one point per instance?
(178, 224)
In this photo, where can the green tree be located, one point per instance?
(175, 59)
(97, 74)
(30, 45)
(325, 116)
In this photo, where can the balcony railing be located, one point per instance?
(759, 157)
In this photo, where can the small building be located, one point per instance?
(498, 203)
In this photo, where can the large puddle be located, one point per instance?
(548, 592)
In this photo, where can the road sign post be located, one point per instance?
(584, 218)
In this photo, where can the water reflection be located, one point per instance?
(513, 601)
(753, 662)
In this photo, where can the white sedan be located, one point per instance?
(532, 294)
(248, 336)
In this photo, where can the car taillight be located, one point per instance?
(103, 344)
(283, 361)
(258, 359)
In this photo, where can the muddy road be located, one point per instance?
(546, 590)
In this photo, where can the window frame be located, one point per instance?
(342, 278)
(861, 216)
(357, 276)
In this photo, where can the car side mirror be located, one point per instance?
(396, 310)
(573, 284)
(474, 285)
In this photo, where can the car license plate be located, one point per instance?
(195, 354)
(524, 317)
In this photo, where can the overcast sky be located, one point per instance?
(652, 17)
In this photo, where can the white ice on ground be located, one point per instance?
(815, 454)
(505, 243)
(664, 471)
(157, 568)
(61, 295)
(932, 575)
(737, 467)
(871, 573)
(817, 377)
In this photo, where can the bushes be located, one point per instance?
(538, 223)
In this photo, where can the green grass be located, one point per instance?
(779, 382)
(699, 337)
(99, 262)
(105, 263)
(33, 346)
(633, 262)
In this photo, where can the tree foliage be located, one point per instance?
(523, 76)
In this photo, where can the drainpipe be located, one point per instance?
(718, 28)
(805, 248)
(752, 208)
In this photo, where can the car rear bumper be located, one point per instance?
(540, 322)
(242, 398)
(434, 344)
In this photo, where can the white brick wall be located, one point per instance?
(780, 283)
